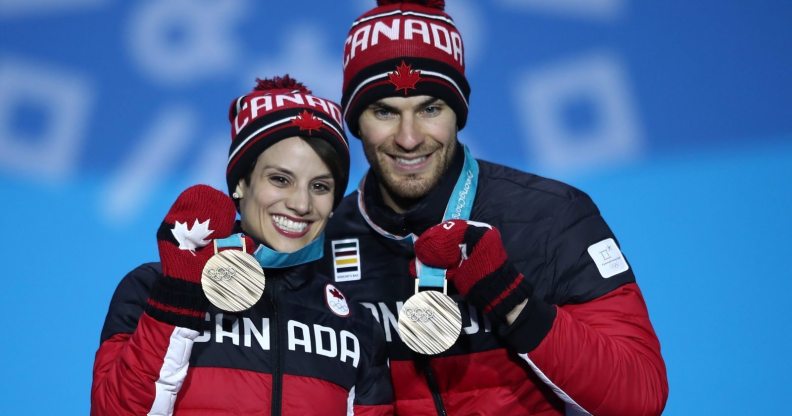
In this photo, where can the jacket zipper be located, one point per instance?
(277, 371)
(432, 382)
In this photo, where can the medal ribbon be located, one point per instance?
(271, 259)
(459, 206)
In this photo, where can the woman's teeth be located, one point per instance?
(289, 225)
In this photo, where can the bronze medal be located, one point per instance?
(430, 322)
(233, 280)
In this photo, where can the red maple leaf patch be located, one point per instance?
(307, 121)
(404, 78)
(336, 293)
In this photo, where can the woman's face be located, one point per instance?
(289, 198)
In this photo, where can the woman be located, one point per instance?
(301, 349)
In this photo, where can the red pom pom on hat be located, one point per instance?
(435, 4)
(281, 83)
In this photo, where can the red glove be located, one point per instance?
(199, 215)
(476, 263)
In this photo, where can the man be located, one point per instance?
(553, 321)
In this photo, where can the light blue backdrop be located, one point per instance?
(675, 116)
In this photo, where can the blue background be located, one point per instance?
(675, 116)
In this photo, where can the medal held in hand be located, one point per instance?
(430, 321)
(233, 280)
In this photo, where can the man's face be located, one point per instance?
(409, 142)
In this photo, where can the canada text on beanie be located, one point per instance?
(404, 48)
(276, 109)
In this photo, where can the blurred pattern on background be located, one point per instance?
(676, 116)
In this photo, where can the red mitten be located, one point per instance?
(476, 263)
(199, 215)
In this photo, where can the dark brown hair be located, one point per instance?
(329, 156)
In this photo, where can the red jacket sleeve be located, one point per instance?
(141, 362)
(586, 331)
(141, 373)
(602, 357)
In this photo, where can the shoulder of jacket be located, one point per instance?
(348, 204)
(147, 270)
(495, 178)
(141, 277)
(346, 220)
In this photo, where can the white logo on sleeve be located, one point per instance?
(608, 258)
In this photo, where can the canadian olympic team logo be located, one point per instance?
(336, 301)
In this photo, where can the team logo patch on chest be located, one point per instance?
(336, 301)
(346, 259)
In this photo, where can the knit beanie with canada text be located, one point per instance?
(404, 49)
(276, 109)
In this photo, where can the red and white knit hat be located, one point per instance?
(277, 109)
(404, 48)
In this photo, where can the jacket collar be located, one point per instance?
(293, 276)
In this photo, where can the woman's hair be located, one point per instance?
(328, 154)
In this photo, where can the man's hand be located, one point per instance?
(477, 265)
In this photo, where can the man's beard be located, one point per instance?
(406, 190)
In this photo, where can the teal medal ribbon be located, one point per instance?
(459, 207)
(271, 259)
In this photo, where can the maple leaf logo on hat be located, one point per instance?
(307, 121)
(404, 78)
